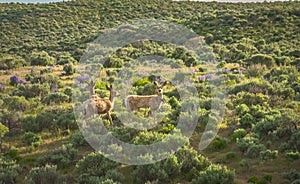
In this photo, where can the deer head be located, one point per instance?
(160, 87)
(112, 92)
(91, 87)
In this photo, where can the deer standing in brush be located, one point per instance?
(96, 105)
(154, 102)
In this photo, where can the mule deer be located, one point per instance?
(96, 105)
(154, 102)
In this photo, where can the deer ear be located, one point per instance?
(155, 83)
(165, 83)
(108, 88)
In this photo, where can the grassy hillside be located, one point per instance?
(255, 48)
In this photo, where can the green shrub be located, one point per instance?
(244, 143)
(254, 150)
(238, 134)
(31, 90)
(63, 157)
(230, 155)
(65, 58)
(255, 180)
(32, 139)
(55, 98)
(8, 61)
(241, 109)
(69, 69)
(255, 70)
(247, 121)
(94, 168)
(267, 125)
(292, 155)
(77, 139)
(45, 175)
(263, 59)
(215, 174)
(291, 175)
(161, 171)
(219, 143)
(13, 154)
(9, 171)
(191, 159)
(268, 154)
(41, 58)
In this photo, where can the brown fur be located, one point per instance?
(95, 105)
(154, 102)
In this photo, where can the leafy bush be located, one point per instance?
(161, 171)
(267, 125)
(9, 171)
(247, 121)
(291, 175)
(241, 109)
(255, 70)
(13, 154)
(250, 98)
(263, 59)
(32, 139)
(254, 150)
(244, 143)
(77, 139)
(55, 98)
(219, 143)
(294, 142)
(124, 134)
(175, 104)
(292, 155)
(69, 69)
(32, 90)
(65, 121)
(191, 160)
(8, 61)
(63, 157)
(215, 174)
(29, 124)
(255, 180)
(238, 134)
(94, 167)
(268, 154)
(262, 86)
(45, 175)
(41, 58)
(230, 155)
(65, 58)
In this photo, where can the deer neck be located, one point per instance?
(112, 99)
(92, 92)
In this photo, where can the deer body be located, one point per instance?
(96, 105)
(154, 102)
(135, 102)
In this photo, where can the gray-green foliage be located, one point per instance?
(41, 58)
(95, 168)
(32, 139)
(9, 171)
(8, 61)
(63, 157)
(55, 98)
(69, 69)
(47, 174)
(77, 139)
(215, 174)
(162, 171)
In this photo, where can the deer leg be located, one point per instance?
(109, 117)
